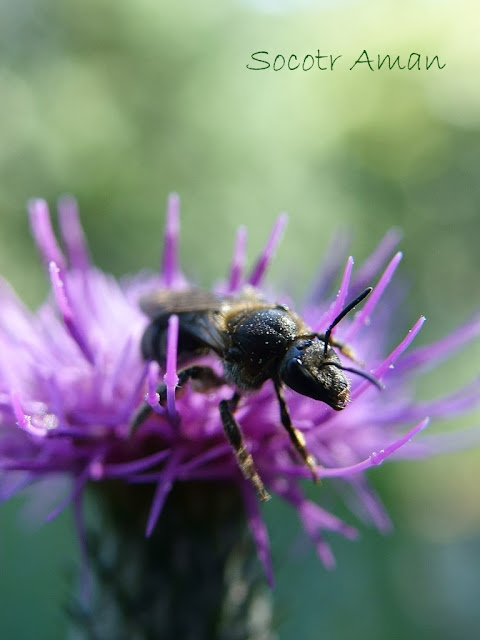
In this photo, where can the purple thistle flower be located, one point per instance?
(72, 376)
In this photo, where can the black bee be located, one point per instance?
(256, 341)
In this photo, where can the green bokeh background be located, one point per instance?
(120, 102)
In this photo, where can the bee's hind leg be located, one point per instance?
(204, 378)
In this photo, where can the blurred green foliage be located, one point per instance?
(120, 102)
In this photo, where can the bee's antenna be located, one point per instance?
(341, 315)
(363, 374)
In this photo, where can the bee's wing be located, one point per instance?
(199, 312)
(164, 302)
(206, 329)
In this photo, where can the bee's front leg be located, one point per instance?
(296, 436)
(235, 437)
(344, 348)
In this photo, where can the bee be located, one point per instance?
(256, 341)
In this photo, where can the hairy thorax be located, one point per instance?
(259, 340)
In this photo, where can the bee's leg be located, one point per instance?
(205, 378)
(344, 348)
(234, 435)
(296, 435)
(138, 418)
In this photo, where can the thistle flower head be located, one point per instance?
(72, 377)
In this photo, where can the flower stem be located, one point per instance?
(196, 578)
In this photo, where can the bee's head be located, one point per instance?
(308, 369)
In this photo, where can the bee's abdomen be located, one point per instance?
(154, 341)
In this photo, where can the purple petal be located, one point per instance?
(427, 357)
(460, 440)
(329, 269)
(78, 485)
(66, 311)
(124, 469)
(443, 407)
(131, 402)
(390, 360)
(310, 518)
(368, 503)
(24, 421)
(376, 458)
(43, 233)
(372, 265)
(313, 516)
(72, 234)
(152, 396)
(339, 302)
(238, 261)
(170, 270)
(215, 452)
(363, 316)
(171, 377)
(258, 530)
(164, 487)
(268, 251)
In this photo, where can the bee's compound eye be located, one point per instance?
(292, 370)
(302, 371)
